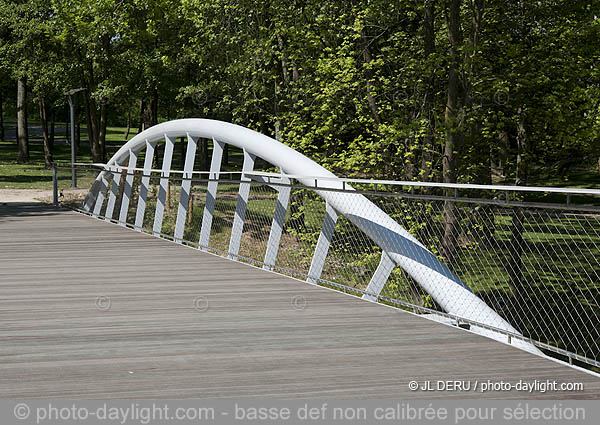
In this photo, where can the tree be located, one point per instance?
(30, 54)
(22, 130)
(453, 118)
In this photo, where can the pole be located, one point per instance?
(54, 184)
(73, 174)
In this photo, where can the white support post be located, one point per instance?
(381, 275)
(104, 182)
(186, 187)
(162, 191)
(211, 194)
(141, 206)
(127, 189)
(283, 199)
(112, 197)
(325, 237)
(240, 208)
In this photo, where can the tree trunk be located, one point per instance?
(482, 158)
(155, 107)
(77, 133)
(276, 108)
(284, 59)
(150, 110)
(190, 210)
(182, 152)
(149, 115)
(286, 83)
(77, 129)
(102, 132)
(503, 145)
(226, 155)
(22, 135)
(45, 135)
(205, 159)
(128, 124)
(141, 118)
(453, 133)
(429, 49)
(93, 125)
(52, 132)
(368, 74)
(67, 122)
(1, 116)
(90, 131)
(515, 269)
(93, 113)
(295, 78)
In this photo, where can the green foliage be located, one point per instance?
(352, 85)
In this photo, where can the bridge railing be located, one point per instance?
(532, 254)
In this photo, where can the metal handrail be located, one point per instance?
(217, 177)
(464, 186)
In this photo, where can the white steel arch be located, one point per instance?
(398, 245)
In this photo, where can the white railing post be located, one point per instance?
(112, 197)
(127, 189)
(141, 206)
(322, 248)
(240, 208)
(54, 184)
(162, 192)
(283, 199)
(105, 180)
(381, 275)
(186, 186)
(211, 194)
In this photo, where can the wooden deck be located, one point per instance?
(58, 339)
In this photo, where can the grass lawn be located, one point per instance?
(34, 175)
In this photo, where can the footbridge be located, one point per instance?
(284, 280)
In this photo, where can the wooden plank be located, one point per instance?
(253, 340)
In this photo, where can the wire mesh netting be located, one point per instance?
(536, 265)
(538, 268)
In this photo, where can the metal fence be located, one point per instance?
(532, 254)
